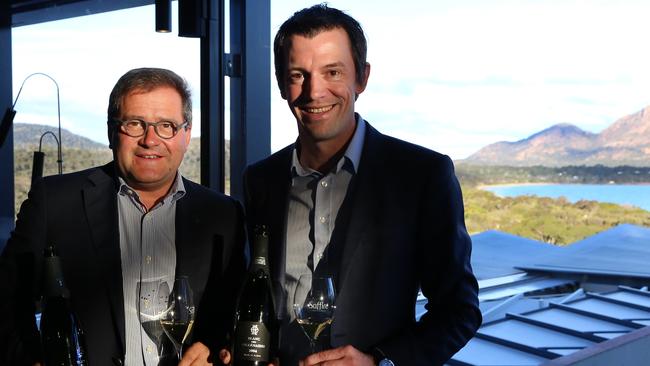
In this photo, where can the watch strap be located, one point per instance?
(378, 355)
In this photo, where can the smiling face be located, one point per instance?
(320, 86)
(149, 163)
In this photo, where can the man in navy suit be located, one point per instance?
(124, 231)
(382, 216)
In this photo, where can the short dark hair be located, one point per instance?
(311, 21)
(147, 79)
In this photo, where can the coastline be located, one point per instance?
(486, 186)
(636, 195)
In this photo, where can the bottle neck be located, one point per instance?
(260, 253)
(259, 263)
(53, 283)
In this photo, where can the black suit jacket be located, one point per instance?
(399, 229)
(78, 213)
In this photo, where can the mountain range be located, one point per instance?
(28, 135)
(625, 142)
(80, 152)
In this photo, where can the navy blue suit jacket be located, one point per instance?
(400, 229)
(78, 213)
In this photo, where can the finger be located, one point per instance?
(327, 355)
(224, 356)
(197, 354)
(187, 359)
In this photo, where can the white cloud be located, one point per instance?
(450, 75)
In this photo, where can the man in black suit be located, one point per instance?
(382, 216)
(124, 231)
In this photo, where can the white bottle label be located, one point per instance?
(252, 341)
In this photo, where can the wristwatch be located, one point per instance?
(380, 358)
(385, 362)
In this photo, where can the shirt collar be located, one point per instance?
(350, 159)
(176, 192)
(353, 151)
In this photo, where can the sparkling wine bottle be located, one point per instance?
(255, 321)
(61, 335)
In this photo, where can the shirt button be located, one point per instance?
(146, 303)
(148, 259)
(323, 219)
(320, 256)
(149, 349)
(323, 183)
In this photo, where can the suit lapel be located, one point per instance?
(194, 251)
(278, 193)
(355, 216)
(183, 238)
(268, 206)
(100, 206)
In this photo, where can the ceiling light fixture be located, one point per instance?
(163, 16)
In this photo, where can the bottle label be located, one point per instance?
(252, 341)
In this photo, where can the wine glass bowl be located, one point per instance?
(154, 295)
(315, 313)
(178, 317)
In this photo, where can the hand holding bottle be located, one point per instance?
(196, 355)
(345, 355)
(226, 358)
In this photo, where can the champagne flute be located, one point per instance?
(154, 295)
(314, 310)
(178, 318)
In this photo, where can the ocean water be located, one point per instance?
(623, 194)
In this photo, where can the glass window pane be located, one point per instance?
(86, 56)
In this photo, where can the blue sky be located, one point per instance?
(449, 75)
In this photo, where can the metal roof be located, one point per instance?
(520, 284)
(497, 254)
(540, 303)
(623, 251)
(557, 330)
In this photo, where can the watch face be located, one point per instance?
(386, 362)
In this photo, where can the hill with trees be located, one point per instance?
(555, 221)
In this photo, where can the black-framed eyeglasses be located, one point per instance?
(137, 128)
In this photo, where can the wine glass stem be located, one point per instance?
(179, 350)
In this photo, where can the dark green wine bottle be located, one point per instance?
(61, 335)
(255, 333)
